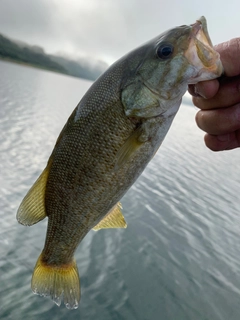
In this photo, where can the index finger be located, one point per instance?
(227, 95)
(205, 89)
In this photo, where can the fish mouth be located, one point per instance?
(201, 54)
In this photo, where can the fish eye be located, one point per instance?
(165, 51)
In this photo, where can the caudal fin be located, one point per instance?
(58, 282)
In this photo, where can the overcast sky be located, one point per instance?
(107, 29)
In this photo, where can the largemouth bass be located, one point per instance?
(105, 145)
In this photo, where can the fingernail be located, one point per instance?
(223, 137)
(191, 90)
(198, 92)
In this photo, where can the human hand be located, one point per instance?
(219, 101)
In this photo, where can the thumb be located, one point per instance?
(230, 53)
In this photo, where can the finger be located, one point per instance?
(229, 53)
(227, 95)
(223, 142)
(204, 89)
(219, 121)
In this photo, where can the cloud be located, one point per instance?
(108, 29)
(26, 17)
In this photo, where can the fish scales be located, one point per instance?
(105, 145)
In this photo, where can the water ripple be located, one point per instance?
(179, 256)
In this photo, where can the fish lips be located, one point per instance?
(201, 54)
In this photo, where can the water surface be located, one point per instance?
(179, 257)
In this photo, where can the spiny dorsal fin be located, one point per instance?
(32, 208)
(114, 219)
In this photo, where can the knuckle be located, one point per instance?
(238, 86)
(199, 118)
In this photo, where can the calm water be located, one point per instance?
(178, 259)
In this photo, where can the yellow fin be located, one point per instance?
(114, 219)
(58, 282)
(131, 145)
(32, 208)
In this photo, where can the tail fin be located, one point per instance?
(58, 282)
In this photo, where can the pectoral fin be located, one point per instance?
(32, 208)
(131, 145)
(114, 219)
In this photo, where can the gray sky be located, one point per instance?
(107, 29)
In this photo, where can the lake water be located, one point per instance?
(178, 259)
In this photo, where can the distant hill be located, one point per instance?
(81, 68)
(12, 51)
(35, 56)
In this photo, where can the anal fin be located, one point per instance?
(114, 219)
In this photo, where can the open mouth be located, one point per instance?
(199, 30)
(203, 43)
(200, 52)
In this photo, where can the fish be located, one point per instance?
(108, 140)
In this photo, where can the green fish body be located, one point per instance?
(105, 145)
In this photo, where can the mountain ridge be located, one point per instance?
(35, 56)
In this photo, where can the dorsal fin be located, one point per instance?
(32, 208)
(114, 219)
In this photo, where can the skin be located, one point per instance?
(219, 101)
